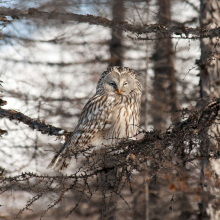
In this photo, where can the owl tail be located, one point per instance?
(60, 159)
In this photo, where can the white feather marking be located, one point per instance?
(92, 127)
(107, 126)
(109, 100)
(116, 70)
(84, 120)
(61, 132)
(89, 117)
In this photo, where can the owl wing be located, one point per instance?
(95, 118)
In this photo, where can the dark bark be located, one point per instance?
(116, 48)
(209, 88)
(164, 87)
(32, 123)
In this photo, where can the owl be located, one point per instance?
(111, 115)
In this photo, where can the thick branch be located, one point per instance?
(160, 148)
(165, 31)
(202, 118)
(32, 123)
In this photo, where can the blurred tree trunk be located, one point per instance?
(146, 183)
(165, 98)
(116, 59)
(209, 88)
(209, 63)
(116, 49)
(164, 86)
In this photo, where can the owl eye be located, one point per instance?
(113, 84)
(125, 84)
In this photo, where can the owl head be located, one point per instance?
(118, 81)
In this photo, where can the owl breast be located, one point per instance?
(123, 122)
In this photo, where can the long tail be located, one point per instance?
(61, 159)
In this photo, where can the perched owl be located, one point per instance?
(111, 114)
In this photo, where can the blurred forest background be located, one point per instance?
(52, 54)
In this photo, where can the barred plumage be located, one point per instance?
(111, 114)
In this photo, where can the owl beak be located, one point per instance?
(119, 91)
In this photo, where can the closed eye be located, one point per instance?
(125, 84)
(113, 84)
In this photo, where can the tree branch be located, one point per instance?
(197, 121)
(33, 123)
(61, 64)
(165, 31)
(168, 151)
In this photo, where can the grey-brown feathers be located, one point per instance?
(111, 114)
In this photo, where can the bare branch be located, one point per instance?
(159, 147)
(32, 123)
(192, 5)
(166, 31)
(62, 64)
(57, 40)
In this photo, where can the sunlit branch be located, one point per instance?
(32, 123)
(165, 31)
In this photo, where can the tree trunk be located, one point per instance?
(209, 63)
(164, 86)
(116, 49)
(209, 86)
(210, 53)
